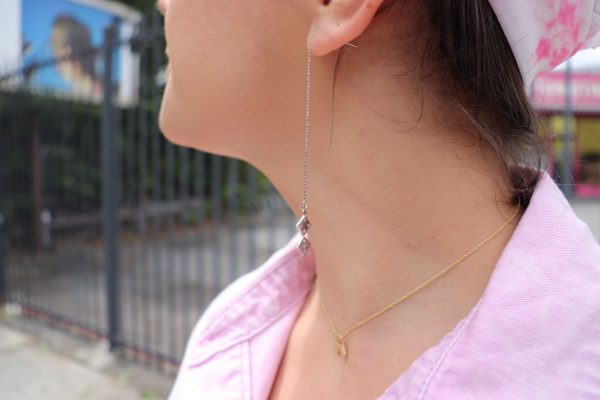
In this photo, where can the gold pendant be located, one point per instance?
(341, 349)
(341, 345)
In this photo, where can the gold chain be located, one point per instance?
(340, 338)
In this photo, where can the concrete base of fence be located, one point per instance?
(37, 362)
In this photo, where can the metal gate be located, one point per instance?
(109, 230)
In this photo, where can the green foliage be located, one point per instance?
(52, 138)
(67, 161)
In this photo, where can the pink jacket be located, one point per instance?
(534, 334)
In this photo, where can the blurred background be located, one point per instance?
(112, 240)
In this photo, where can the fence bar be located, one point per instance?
(132, 276)
(252, 210)
(145, 331)
(183, 274)
(110, 193)
(216, 171)
(200, 260)
(232, 213)
(3, 286)
(158, 180)
(37, 185)
(567, 167)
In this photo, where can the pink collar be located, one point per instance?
(537, 321)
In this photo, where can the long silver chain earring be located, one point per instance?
(303, 223)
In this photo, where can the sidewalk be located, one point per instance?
(589, 212)
(36, 363)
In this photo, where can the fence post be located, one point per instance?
(3, 288)
(36, 152)
(110, 222)
(567, 167)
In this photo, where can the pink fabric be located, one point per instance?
(534, 334)
(544, 33)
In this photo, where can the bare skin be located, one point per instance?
(394, 194)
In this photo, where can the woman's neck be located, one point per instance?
(394, 196)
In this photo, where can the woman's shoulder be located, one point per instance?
(536, 331)
(253, 300)
(247, 306)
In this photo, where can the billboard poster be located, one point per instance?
(60, 42)
(549, 92)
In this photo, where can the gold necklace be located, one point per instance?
(340, 338)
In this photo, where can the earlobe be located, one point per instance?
(339, 22)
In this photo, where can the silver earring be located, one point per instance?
(303, 223)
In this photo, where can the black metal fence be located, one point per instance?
(109, 230)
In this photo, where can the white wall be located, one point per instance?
(10, 40)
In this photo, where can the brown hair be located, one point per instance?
(68, 31)
(474, 66)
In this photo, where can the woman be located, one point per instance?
(437, 259)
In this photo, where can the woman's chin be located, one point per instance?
(172, 126)
(179, 129)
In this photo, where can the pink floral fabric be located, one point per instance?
(533, 335)
(544, 33)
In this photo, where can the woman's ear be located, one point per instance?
(338, 22)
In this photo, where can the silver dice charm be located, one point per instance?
(303, 225)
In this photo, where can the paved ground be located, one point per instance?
(589, 212)
(39, 363)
